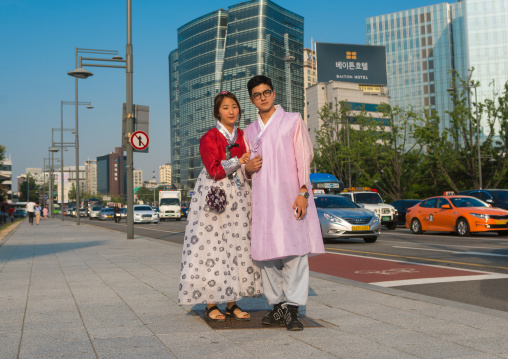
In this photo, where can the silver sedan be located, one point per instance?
(341, 218)
(145, 214)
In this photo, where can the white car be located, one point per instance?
(370, 200)
(94, 213)
(145, 214)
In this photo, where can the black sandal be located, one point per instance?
(209, 310)
(230, 313)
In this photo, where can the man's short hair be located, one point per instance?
(259, 80)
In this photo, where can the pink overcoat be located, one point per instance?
(287, 153)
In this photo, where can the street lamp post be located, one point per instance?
(79, 72)
(52, 150)
(76, 104)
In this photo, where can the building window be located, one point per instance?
(430, 52)
(431, 76)
(433, 101)
(429, 29)
(428, 16)
(425, 89)
(422, 29)
(422, 41)
(429, 41)
(431, 64)
(424, 65)
(424, 53)
(426, 101)
(422, 17)
(425, 77)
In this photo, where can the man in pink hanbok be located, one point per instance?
(285, 224)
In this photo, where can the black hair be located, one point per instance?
(218, 101)
(259, 80)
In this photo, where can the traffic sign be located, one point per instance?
(139, 140)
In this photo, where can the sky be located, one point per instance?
(37, 44)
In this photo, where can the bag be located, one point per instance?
(216, 199)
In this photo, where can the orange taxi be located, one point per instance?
(460, 214)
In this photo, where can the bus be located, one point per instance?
(325, 183)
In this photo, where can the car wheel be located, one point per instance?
(178, 219)
(391, 226)
(462, 228)
(502, 233)
(416, 226)
(370, 239)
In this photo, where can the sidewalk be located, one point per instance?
(69, 291)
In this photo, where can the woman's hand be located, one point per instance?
(254, 164)
(245, 158)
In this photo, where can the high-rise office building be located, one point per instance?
(165, 174)
(91, 176)
(423, 45)
(221, 51)
(112, 173)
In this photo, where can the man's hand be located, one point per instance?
(301, 203)
(254, 164)
(245, 158)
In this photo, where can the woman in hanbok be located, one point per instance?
(216, 263)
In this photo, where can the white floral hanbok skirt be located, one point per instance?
(216, 263)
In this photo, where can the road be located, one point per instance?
(472, 270)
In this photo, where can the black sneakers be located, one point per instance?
(276, 316)
(292, 321)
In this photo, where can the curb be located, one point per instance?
(11, 233)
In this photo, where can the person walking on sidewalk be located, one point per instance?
(216, 262)
(285, 224)
(45, 213)
(116, 213)
(38, 210)
(30, 209)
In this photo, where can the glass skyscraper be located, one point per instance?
(222, 51)
(424, 44)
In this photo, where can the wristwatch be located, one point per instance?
(304, 194)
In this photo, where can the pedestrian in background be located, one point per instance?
(11, 213)
(45, 213)
(30, 210)
(38, 210)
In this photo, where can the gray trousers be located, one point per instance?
(286, 280)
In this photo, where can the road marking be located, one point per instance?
(398, 283)
(455, 252)
(418, 258)
(138, 226)
(447, 244)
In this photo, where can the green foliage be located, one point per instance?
(28, 186)
(417, 157)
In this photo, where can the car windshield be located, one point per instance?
(107, 210)
(368, 198)
(501, 196)
(142, 208)
(124, 210)
(96, 208)
(334, 202)
(169, 202)
(461, 202)
(405, 204)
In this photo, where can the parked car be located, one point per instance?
(94, 212)
(370, 199)
(495, 197)
(83, 212)
(106, 213)
(341, 218)
(401, 205)
(460, 214)
(19, 213)
(145, 214)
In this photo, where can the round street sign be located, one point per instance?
(139, 140)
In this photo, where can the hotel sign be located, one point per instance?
(363, 64)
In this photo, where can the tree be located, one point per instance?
(3, 192)
(72, 192)
(29, 189)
